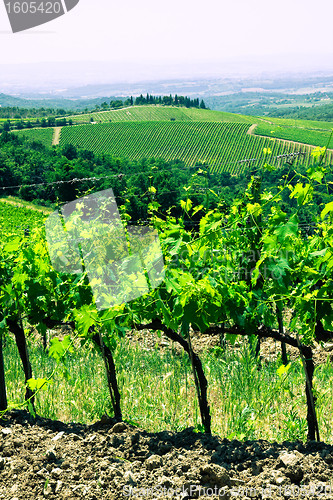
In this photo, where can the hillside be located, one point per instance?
(223, 146)
(147, 113)
(223, 141)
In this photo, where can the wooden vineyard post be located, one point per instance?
(200, 384)
(18, 331)
(111, 376)
(308, 366)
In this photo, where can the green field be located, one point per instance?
(43, 135)
(220, 145)
(15, 218)
(317, 137)
(158, 113)
(289, 122)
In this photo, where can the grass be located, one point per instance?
(188, 134)
(307, 124)
(316, 137)
(247, 401)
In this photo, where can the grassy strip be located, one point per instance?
(308, 124)
(306, 136)
(248, 401)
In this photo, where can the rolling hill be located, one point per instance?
(159, 113)
(222, 141)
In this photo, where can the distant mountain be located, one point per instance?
(53, 102)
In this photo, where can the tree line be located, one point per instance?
(166, 100)
(323, 112)
(17, 113)
(51, 121)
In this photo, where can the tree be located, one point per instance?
(51, 122)
(202, 104)
(6, 126)
(61, 123)
(69, 151)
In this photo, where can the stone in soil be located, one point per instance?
(41, 458)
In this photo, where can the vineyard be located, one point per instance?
(222, 146)
(245, 274)
(44, 135)
(160, 113)
(194, 136)
(15, 220)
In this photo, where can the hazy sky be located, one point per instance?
(173, 30)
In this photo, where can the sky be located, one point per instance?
(175, 32)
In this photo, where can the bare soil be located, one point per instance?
(41, 458)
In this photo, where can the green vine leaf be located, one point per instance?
(58, 347)
(37, 384)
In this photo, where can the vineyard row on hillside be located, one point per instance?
(223, 146)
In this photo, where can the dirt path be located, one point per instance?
(56, 136)
(251, 129)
